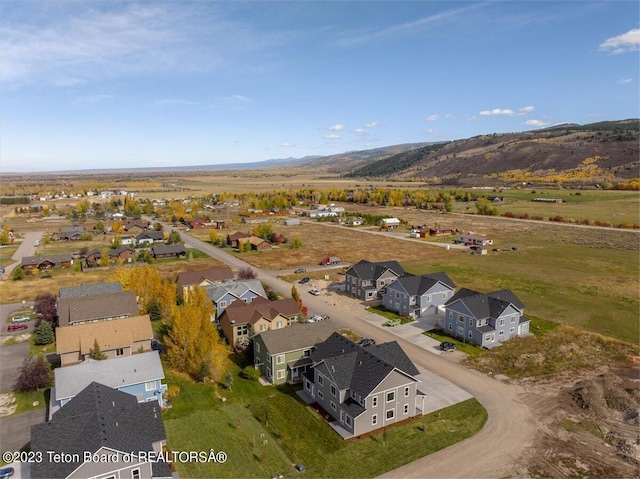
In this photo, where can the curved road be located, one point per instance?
(495, 452)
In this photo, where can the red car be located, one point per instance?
(16, 327)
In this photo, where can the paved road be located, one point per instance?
(494, 452)
(26, 248)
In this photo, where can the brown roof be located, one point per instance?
(96, 307)
(241, 313)
(189, 278)
(112, 334)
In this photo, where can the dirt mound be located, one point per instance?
(608, 397)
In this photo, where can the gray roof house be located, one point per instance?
(89, 290)
(363, 389)
(416, 296)
(100, 421)
(366, 280)
(168, 251)
(223, 294)
(485, 319)
(149, 237)
(98, 307)
(283, 355)
(140, 375)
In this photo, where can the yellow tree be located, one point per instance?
(192, 342)
(152, 290)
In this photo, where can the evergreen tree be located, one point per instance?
(96, 353)
(44, 333)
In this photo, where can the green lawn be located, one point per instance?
(384, 312)
(265, 430)
(466, 348)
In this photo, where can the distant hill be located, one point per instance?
(599, 151)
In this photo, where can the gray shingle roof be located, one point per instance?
(237, 288)
(486, 305)
(115, 373)
(98, 416)
(152, 235)
(53, 258)
(418, 285)
(100, 306)
(162, 249)
(367, 270)
(297, 336)
(90, 290)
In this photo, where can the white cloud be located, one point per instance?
(525, 109)
(360, 130)
(497, 111)
(433, 117)
(627, 42)
(287, 145)
(625, 80)
(332, 136)
(337, 127)
(449, 116)
(536, 123)
(373, 124)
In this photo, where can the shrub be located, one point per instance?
(250, 373)
(17, 274)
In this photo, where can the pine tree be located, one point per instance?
(44, 333)
(95, 353)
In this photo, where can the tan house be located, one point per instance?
(189, 280)
(99, 307)
(257, 244)
(240, 321)
(116, 338)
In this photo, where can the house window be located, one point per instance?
(478, 324)
(470, 322)
(320, 394)
(450, 314)
(333, 405)
(280, 374)
(320, 380)
(391, 413)
(444, 295)
(149, 386)
(374, 401)
(460, 318)
(502, 322)
(263, 327)
(513, 319)
(306, 353)
(278, 324)
(406, 409)
(450, 326)
(333, 390)
(406, 391)
(397, 295)
(223, 304)
(280, 359)
(242, 330)
(120, 352)
(469, 333)
(428, 298)
(501, 333)
(347, 420)
(512, 330)
(135, 474)
(374, 419)
(391, 396)
(307, 386)
(257, 347)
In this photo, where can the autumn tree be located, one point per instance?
(104, 257)
(193, 344)
(263, 230)
(35, 375)
(149, 287)
(45, 305)
(246, 273)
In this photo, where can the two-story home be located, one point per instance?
(97, 307)
(101, 422)
(223, 294)
(188, 280)
(485, 319)
(116, 337)
(363, 389)
(140, 375)
(284, 355)
(417, 296)
(89, 290)
(365, 280)
(240, 321)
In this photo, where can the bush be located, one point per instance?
(251, 373)
(17, 274)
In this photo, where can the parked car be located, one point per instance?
(6, 472)
(315, 318)
(447, 346)
(300, 270)
(20, 319)
(304, 280)
(314, 292)
(365, 342)
(17, 327)
(155, 345)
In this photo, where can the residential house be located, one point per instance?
(188, 280)
(89, 290)
(123, 254)
(232, 239)
(150, 237)
(33, 263)
(127, 240)
(140, 375)
(440, 231)
(485, 319)
(284, 355)
(389, 223)
(116, 337)
(136, 226)
(69, 233)
(101, 422)
(366, 280)
(240, 321)
(168, 251)
(96, 307)
(417, 296)
(355, 220)
(363, 389)
(223, 294)
(257, 244)
(473, 239)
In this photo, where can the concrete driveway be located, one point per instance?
(15, 430)
(11, 358)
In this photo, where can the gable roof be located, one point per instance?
(367, 270)
(112, 334)
(52, 258)
(360, 369)
(240, 312)
(486, 305)
(188, 278)
(153, 235)
(97, 307)
(297, 336)
(115, 373)
(215, 292)
(418, 285)
(168, 249)
(89, 290)
(97, 417)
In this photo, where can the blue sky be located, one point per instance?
(87, 84)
